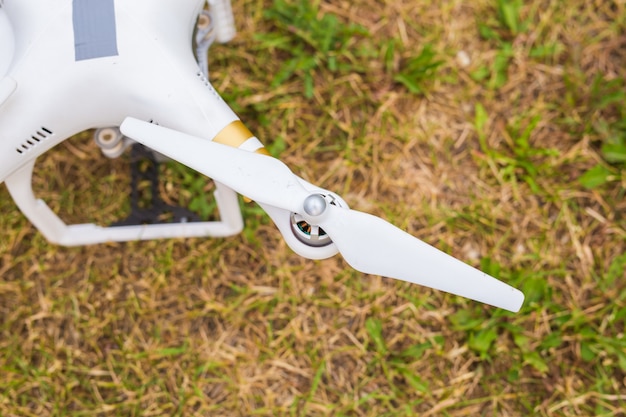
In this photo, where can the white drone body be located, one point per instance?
(67, 66)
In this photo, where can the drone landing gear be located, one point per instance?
(140, 225)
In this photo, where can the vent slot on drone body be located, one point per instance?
(39, 136)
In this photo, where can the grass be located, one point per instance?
(491, 129)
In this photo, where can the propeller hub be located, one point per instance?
(315, 205)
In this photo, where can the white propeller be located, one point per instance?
(368, 243)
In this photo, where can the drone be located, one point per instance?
(128, 70)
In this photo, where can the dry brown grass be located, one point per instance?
(242, 326)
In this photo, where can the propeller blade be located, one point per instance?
(259, 177)
(372, 245)
(368, 243)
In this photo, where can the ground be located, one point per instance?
(494, 130)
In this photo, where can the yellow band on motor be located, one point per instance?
(235, 134)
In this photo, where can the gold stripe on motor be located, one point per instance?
(234, 134)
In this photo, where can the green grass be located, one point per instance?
(512, 161)
(309, 40)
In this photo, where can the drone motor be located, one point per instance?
(311, 234)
